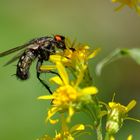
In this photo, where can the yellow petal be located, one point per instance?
(53, 121)
(89, 90)
(62, 72)
(111, 104)
(58, 136)
(119, 7)
(46, 97)
(102, 113)
(47, 68)
(56, 80)
(71, 112)
(70, 138)
(130, 137)
(55, 58)
(112, 138)
(80, 76)
(46, 137)
(138, 9)
(51, 112)
(131, 105)
(58, 58)
(78, 127)
(64, 123)
(94, 53)
(86, 47)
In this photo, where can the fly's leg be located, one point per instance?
(39, 63)
(52, 72)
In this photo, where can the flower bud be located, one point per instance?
(115, 117)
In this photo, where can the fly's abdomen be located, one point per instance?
(24, 64)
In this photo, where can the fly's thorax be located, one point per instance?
(45, 51)
(41, 40)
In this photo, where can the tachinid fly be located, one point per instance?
(40, 49)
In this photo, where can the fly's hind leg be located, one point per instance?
(39, 63)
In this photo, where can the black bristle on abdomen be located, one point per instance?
(24, 64)
(22, 75)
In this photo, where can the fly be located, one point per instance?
(40, 49)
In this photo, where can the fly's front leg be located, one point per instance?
(47, 70)
(39, 64)
(52, 72)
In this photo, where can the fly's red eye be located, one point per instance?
(58, 38)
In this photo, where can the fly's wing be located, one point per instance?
(14, 58)
(14, 49)
(30, 44)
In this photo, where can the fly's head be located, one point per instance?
(60, 42)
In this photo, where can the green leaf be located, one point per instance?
(135, 54)
(116, 54)
(102, 113)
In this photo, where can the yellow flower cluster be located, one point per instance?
(134, 4)
(75, 58)
(130, 137)
(68, 96)
(117, 113)
(72, 94)
(66, 133)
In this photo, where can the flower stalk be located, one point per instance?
(75, 92)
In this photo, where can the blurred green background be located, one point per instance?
(93, 22)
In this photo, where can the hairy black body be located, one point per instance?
(40, 49)
(24, 63)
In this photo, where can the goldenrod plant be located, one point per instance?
(75, 92)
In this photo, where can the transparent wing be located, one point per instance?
(14, 58)
(14, 49)
(30, 44)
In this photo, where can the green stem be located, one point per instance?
(107, 136)
(99, 131)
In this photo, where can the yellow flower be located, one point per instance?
(130, 137)
(76, 57)
(69, 133)
(45, 137)
(68, 96)
(66, 133)
(117, 113)
(112, 138)
(135, 4)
